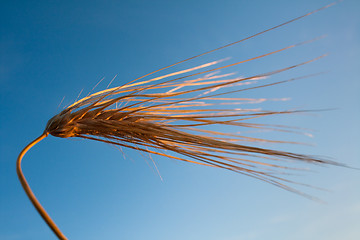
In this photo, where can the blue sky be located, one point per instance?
(52, 49)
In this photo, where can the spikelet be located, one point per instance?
(177, 116)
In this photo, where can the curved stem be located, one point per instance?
(31, 195)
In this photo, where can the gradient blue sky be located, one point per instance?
(52, 49)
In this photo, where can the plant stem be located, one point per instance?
(31, 195)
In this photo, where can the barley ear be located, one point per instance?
(30, 193)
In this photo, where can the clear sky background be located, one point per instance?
(52, 49)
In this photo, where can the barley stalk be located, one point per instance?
(173, 113)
